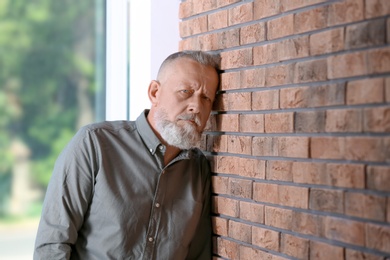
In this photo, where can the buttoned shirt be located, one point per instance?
(111, 197)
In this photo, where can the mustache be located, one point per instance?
(190, 117)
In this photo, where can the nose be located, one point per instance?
(195, 105)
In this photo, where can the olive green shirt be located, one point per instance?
(111, 197)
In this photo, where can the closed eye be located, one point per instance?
(207, 98)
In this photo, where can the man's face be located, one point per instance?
(185, 97)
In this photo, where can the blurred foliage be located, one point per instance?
(47, 60)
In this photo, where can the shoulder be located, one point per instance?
(107, 127)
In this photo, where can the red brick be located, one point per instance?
(369, 33)
(376, 8)
(313, 70)
(241, 14)
(252, 212)
(378, 237)
(319, 250)
(239, 101)
(366, 149)
(327, 147)
(253, 123)
(240, 231)
(378, 178)
(195, 26)
(253, 253)
(265, 8)
(310, 173)
(265, 238)
(309, 122)
(351, 254)
(347, 65)
(251, 168)
(327, 200)
(345, 12)
(379, 60)
(344, 230)
(311, 20)
(266, 99)
(287, 5)
(226, 164)
(279, 123)
(327, 41)
(230, 80)
(220, 184)
(220, 226)
(236, 58)
(240, 188)
(280, 27)
(218, 20)
(251, 78)
(294, 246)
(185, 9)
(227, 122)
(344, 120)
(221, 3)
(217, 143)
(263, 146)
(365, 206)
(225, 206)
(265, 192)
(229, 39)
(293, 48)
(306, 223)
(204, 5)
(278, 217)
(365, 91)
(291, 146)
(239, 144)
(316, 96)
(253, 33)
(377, 119)
(265, 54)
(279, 75)
(279, 170)
(292, 196)
(226, 248)
(345, 175)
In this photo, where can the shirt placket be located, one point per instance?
(155, 215)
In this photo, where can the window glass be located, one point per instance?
(52, 60)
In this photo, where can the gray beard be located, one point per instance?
(181, 136)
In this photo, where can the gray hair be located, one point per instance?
(204, 58)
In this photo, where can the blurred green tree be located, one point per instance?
(47, 79)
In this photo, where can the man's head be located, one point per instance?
(182, 97)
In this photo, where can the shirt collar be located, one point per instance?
(146, 132)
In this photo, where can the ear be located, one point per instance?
(153, 90)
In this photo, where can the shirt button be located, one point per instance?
(150, 239)
(157, 205)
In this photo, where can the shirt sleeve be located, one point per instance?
(201, 245)
(67, 198)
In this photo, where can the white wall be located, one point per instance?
(154, 34)
(140, 35)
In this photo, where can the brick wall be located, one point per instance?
(299, 142)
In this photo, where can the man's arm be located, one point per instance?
(201, 245)
(67, 199)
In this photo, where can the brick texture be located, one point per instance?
(298, 140)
